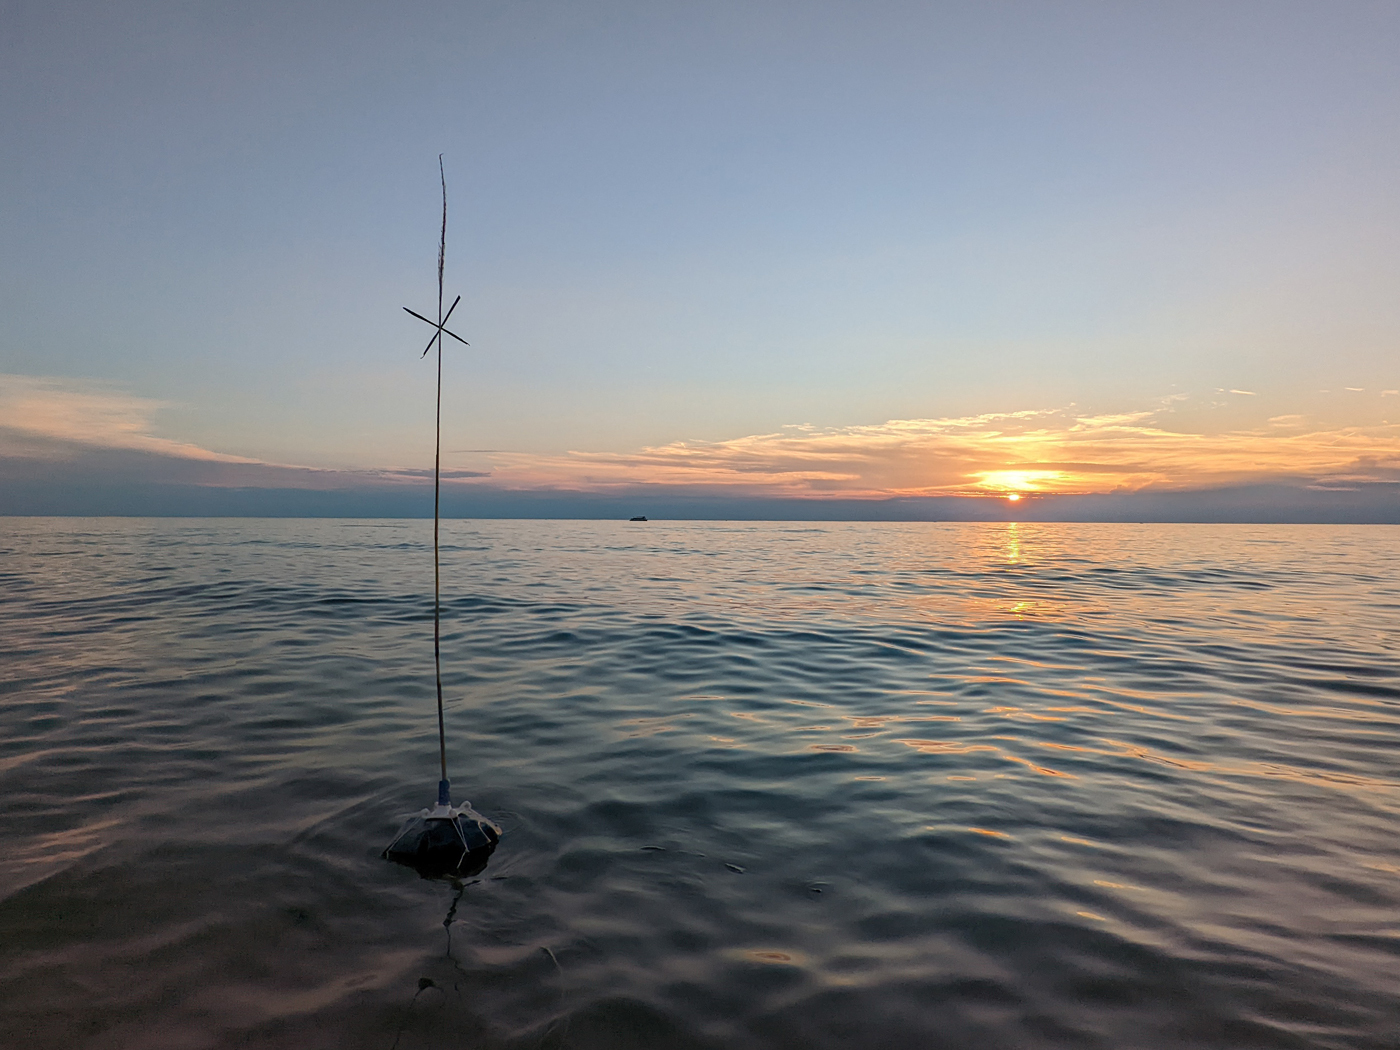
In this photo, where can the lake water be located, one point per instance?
(762, 785)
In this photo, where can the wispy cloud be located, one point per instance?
(1054, 451)
(84, 412)
(1051, 452)
(45, 418)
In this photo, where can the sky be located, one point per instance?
(761, 258)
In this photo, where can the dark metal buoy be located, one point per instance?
(446, 840)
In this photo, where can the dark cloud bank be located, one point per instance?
(1257, 503)
(125, 483)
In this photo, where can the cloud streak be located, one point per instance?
(46, 421)
(42, 413)
(1034, 452)
(98, 431)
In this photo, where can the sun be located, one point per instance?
(1017, 484)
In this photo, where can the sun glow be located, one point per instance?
(1032, 454)
(1013, 484)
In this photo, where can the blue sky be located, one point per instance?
(688, 226)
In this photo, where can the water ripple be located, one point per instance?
(762, 785)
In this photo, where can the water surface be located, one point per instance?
(762, 785)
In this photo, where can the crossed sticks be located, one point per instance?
(439, 326)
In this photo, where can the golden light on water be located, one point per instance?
(1013, 496)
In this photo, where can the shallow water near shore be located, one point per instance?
(762, 785)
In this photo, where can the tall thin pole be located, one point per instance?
(437, 493)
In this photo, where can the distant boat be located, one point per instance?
(639, 517)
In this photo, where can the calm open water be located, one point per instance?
(762, 785)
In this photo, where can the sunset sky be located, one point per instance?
(840, 252)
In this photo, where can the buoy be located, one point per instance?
(444, 840)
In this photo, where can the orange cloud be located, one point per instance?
(1050, 452)
(46, 419)
(87, 413)
(1056, 451)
